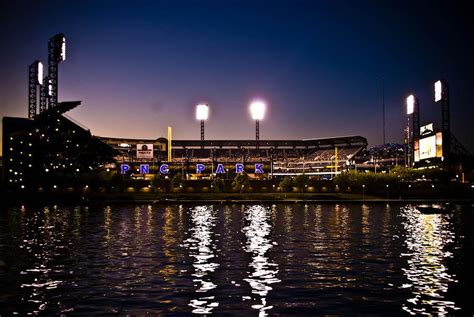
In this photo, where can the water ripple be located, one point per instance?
(427, 275)
(258, 244)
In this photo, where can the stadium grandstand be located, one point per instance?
(321, 156)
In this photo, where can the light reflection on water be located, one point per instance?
(258, 243)
(428, 278)
(234, 259)
(202, 249)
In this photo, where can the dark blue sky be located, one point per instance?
(139, 66)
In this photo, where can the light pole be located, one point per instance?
(257, 109)
(442, 96)
(202, 113)
(363, 192)
(413, 131)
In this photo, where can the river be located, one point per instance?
(246, 260)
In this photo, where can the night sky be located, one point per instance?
(139, 66)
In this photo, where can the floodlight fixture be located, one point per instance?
(438, 87)
(202, 111)
(63, 49)
(40, 73)
(410, 104)
(257, 108)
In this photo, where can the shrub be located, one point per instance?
(217, 185)
(241, 182)
(286, 184)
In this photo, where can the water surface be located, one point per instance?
(236, 260)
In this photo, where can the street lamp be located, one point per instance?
(257, 109)
(202, 113)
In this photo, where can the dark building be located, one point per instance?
(49, 150)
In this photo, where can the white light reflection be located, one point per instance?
(201, 247)
(428, 277)
(258, 243)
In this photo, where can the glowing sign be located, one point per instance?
(427, 147)
(200, 168)
(164, 168)
(439, 144)
(410, 104)
(144, 151)
(239, 168)
(124, 168)
(220, 169)
(438, 86)
(144, 168)
(416, 147)
(426, 129)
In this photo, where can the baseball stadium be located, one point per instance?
(49, 148)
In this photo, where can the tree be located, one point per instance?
(241, 181)
(301, 181)
(217, 185)
(286, 184)
(157, 182)
(177, 182)
(116, 181)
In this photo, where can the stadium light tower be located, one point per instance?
(56, 55)
(35, 80)
(257, 109)
(202, 113)
(413, 132)
(441, 90)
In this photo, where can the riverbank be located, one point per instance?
(217, 198)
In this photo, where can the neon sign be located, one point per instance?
(164, 168)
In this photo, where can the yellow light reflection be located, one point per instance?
(428, 277)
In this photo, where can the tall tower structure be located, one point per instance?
(442, 96)
(413, 132)
(35, 80)
(56, 55)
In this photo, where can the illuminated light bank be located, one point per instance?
(239, 168)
